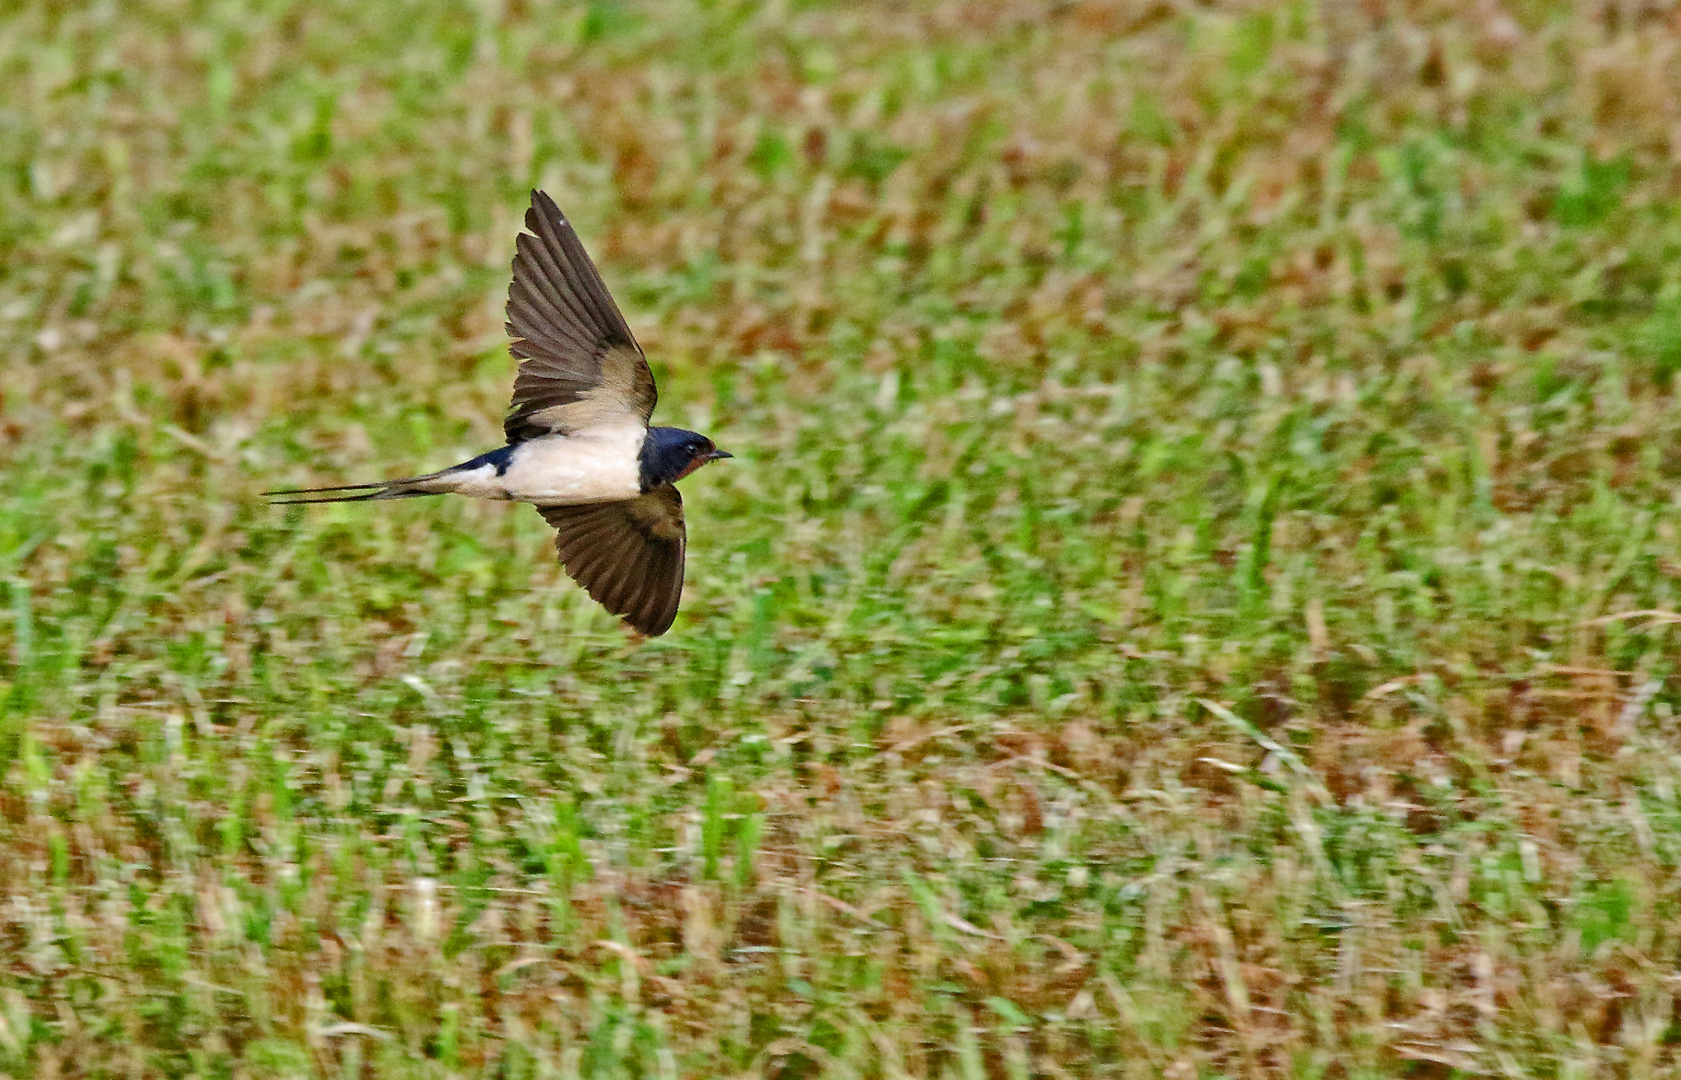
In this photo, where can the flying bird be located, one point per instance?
(579, 448)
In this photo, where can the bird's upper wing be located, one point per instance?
(579, 364)
(628, 555)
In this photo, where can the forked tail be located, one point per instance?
(438, 483)
(385, 489)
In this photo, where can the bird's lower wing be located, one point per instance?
(627, 555)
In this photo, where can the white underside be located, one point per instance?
(598, 465)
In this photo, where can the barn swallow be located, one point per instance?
(579, 445)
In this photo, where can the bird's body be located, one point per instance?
(579, 445)
(593, 465)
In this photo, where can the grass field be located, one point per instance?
(1199, 592)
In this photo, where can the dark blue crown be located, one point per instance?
(668, 452)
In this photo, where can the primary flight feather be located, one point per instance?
(579, 445)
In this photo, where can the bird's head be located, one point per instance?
(669, 454)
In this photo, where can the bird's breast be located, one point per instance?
(600, 465)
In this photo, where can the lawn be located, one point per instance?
(1198, 592)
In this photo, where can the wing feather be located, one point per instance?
(580, 365)
(627, 555)
(567, 254)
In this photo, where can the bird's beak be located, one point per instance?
(719, 455)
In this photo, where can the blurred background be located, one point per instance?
(1198, 594)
